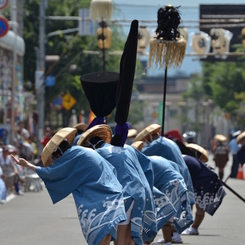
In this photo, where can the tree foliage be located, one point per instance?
(225, 83)
(70, 47)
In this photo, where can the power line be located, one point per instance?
(151, 6)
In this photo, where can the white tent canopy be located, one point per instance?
(8, 42)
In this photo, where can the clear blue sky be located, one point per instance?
(147, 10)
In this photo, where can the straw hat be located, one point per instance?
(81, 126)
(65, 133)
(240, 137)
(151, 129)
(220, 138)
(132, 133)
(138, 145)
(103, 131)
(198, 148)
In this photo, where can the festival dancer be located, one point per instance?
(168, 180)
(92, 181)
(137, 184)
(157, 145)
(208, 188)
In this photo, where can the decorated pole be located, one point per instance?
(167, 46)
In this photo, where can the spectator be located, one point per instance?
(22, 133)
(47, 136)
(221, 154)
(10, 172)
(3, 189)
(233, 146)
(34, 146)
(25, 150)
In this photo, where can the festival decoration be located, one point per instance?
(167, 46)
(143, 39)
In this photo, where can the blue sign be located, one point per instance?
(57, 103)
(4, 26)
(50, 81)
(3, 135)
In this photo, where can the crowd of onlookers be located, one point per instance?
(13, 178)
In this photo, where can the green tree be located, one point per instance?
(225, 82)
(193, 98)
(70, 47)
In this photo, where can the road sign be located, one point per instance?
(57, 103)
(68, 101)
(3, 4)
(86, 25)
(4, 26)
(50, 81)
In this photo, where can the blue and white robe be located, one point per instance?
(169, 149)
(135, 187)
(163, 206)
(168, 180)
(209, 190)
(95, 188)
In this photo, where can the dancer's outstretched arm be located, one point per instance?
(24, 163)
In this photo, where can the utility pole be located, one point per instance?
(40, 89)
(13, 91)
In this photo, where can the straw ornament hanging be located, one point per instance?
(101, 9)
(167, 47)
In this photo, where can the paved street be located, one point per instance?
(32, 219)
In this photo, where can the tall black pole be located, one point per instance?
(234, 192)
(164, 98)
(103, 49)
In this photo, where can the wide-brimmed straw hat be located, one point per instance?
(240, 137)
(198, 148)
(132, 133)
(65, 133)
(138, 145)
(103, 131)
(81, 126)
(151, 129)
(220, 138)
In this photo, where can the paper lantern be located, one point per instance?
(217, 37)
(101, 9)
(183, 33)
(104, 36)
(200, 43)
(143, 39)
(225, 45)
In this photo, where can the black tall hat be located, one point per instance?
(100, 89)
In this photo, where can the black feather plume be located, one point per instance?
(168, 20)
